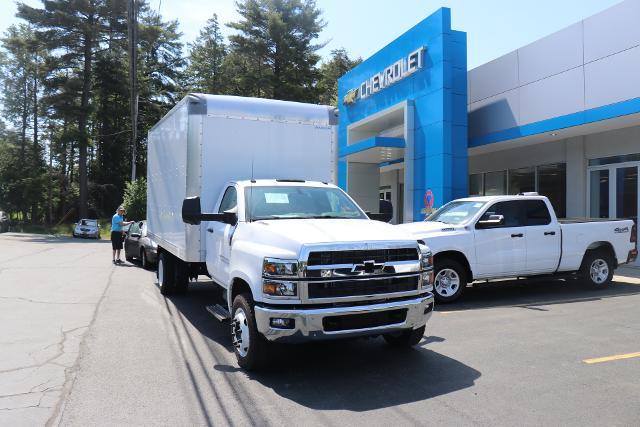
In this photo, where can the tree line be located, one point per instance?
(65, 149)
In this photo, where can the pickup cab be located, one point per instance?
(496, 237)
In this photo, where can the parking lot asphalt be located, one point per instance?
(88, 343)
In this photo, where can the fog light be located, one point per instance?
(282, 323)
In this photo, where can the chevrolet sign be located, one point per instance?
(392, 74)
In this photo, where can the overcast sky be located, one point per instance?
(494, 27)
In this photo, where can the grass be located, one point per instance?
(65, 229)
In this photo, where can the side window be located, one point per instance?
(511, 211)
(135, 228)
(229, 200)
(536, 213)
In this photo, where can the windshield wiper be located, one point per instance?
(328, 216)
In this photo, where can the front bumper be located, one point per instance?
(309, 323)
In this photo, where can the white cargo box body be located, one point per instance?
(206, 141)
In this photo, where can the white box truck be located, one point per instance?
(240, 189)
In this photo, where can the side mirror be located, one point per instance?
(192, 214)
(491, 221)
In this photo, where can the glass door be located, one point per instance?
(614, 192)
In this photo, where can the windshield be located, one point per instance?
(280, 202)
(89, 222)
(456, 212)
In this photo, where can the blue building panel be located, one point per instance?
(438, 92)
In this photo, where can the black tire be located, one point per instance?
(128, 257)
(166, 274)
(144, 262)
(445, 293)
(598, 259)
(181, 285)
(405, 338)
(256, 354)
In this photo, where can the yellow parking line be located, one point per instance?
(610, 358)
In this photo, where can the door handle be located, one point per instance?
(549, 233)
(210, 230)
(517, 235)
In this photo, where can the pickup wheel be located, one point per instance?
(250, 347)
(166, 274)
(405, 338)
(450, 280)
(597, 269)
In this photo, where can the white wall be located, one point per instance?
(592, 63)
(363, 185)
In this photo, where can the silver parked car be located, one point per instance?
(137, 244)
(87, 228)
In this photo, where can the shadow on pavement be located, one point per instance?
(47, 238)
(355, 375)
(532, 293)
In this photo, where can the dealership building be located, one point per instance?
(560, 116)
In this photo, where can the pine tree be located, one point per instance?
(206, 56)
(330, 71)
(273, 54)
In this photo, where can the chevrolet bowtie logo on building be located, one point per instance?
(392, 74)
(350, 97)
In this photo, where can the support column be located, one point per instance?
(576, 177)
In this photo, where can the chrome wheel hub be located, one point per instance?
(447, 282)
(599, 271)
(240, 332)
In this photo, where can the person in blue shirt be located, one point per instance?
(117, 234)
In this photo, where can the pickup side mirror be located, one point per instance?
(192, 214)
(491, 221)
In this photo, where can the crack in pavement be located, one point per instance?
(52, 359)
(70, 373)
(48, 302)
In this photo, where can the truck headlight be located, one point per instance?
(279, 289)
(426, 265)
(272, 267)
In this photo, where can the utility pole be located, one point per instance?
(132, 16)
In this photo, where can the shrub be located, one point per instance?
(135, 199)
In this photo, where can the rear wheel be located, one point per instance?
(143, 259)
(597, 269)
(450, 280)
(405, 338)
(166, 274)
(250, 347)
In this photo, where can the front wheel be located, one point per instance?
(143, 259)
(596, 270)
(450, 280)
(250, 347)
(405, 338)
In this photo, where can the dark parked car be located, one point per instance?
(4, 222)
(138, 245)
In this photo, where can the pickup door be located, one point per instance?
(528, 242)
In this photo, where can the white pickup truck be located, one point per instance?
(495, 237)
(296, 259)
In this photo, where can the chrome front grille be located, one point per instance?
(378, 256)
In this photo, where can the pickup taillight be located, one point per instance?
(634, 234)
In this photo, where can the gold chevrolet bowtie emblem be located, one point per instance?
(350, 97)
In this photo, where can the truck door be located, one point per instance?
(219, 240)
(542, 238)
(501, 249)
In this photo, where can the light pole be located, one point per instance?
(132, 20)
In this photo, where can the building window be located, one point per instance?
(475, 184)
(615, 159)
(522, 180)
(552, 182)
(495, 183)
(547, 180)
